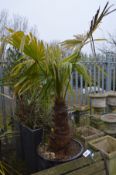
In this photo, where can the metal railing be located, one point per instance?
(103, 75)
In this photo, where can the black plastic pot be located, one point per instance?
(18, 139)
(30, 140)
(46, 163)
(27, 140)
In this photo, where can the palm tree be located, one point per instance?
(45, 67)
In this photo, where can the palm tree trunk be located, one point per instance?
(61, 134)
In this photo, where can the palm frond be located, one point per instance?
(72, 43)
(81, 69)
(98, 17)
(80, 41)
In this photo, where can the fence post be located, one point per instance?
(108, 73)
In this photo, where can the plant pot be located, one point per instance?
(98, 100)
(112, 109)
(18, 139)
(31, 138)
(111, 99)
(44, 163)
(111, 102)
(88, 133)
(107, 145)
(109, 123)
(95, 121)
(98, 103)
(27, 141)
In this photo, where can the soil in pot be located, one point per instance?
(67, 153)
(47, 159)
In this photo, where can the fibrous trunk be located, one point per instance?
(61, 134)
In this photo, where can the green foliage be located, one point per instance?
(2, 169)
(34, 112)
(30, 110)
(27, 68)
(43, 66)
(6, 169)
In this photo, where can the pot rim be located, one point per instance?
(72, 158)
